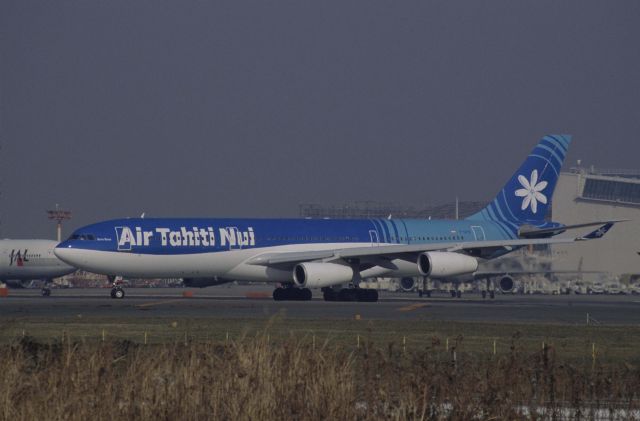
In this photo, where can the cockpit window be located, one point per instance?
(83, 237)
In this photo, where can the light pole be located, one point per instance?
(59, 216)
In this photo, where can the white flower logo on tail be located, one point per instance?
(531, 191)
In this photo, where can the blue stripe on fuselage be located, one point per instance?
(385, 230)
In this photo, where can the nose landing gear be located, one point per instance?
(117, 292)
(117, 289)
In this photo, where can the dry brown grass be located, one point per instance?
(256, 378)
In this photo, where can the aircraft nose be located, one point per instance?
(67, 254)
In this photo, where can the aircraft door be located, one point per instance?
(373, 235)
(478, 232)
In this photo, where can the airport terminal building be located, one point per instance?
(583, 195)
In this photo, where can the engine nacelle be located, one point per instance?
(443, 264)
(407, 284)
(507, 284)
(204, 282)
(319, 275)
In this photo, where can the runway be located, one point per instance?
(233, 303)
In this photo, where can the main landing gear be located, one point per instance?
(424, 287)
(292, 294)
(350, 294)
(289, 293)
(490, 290)
(492, 294)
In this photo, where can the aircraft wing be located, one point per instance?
(409, 252)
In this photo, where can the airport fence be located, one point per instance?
(584, 345)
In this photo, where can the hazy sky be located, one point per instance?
(248, 108)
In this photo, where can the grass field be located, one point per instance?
(609, 344)
(152, 368)
(275, 373)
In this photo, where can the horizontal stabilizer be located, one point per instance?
(599, 233)
(528, 231)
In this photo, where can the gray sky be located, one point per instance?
(248, 108)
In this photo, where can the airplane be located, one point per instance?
(25, 260)
(330, 254)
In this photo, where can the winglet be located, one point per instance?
(599, 233)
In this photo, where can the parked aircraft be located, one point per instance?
(333, 255)
(25, 260)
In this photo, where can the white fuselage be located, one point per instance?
(30, 259)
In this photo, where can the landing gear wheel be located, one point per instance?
(351, 294)
(428, 294)
(459, 294)
(278, 294)
(329, 294)
(357, 294)
(420, 293)
(305, 294)
(484, 294)
(374, 295)
(453, 293)
(348, 294)
(45, 292)
(492, 295)
(292, 294)
(117, 293)
(367, 295)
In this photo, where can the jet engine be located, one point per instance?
(319, 275)
(507, 284)
(442, 264)
(204, 282)
(407, 284)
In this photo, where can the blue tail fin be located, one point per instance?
(527, 195)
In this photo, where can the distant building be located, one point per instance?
(591, 195)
